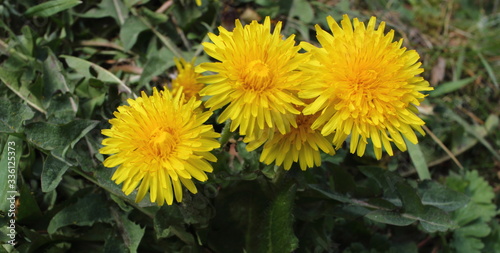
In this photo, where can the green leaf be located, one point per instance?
(411, 201)
(109, 8)
(53, 79)
(471, 130)
(12, 115)
(9, 164)
(437, 195)
(30, 213)
(489, 69)
(130, 30)
(58, 138)
(450, 87)
(166, 217)
(84, 67)
(85, 212)
(303, 10)
(434, 219)
(131, 233)
(50, 8)
(388, 217)
(278, 232)
(418, 160)
(53, 169)
(156, 65)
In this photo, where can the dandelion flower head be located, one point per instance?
(365, 85)
(186, 79)
(256, 76)
(160, 143)
(301, 144)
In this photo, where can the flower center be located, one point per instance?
(163, 142)
(256, 76)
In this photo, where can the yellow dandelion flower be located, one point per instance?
(186, 79)
(159, 143)
(256, 75)
(365, 85)
(302, 144)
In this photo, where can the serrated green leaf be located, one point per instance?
(53, 169)
(85, 212)
(437, 195)
(450, 87)
(9, 164)
(12, 115)
(131, 234)
(50, 8)
(278, 233)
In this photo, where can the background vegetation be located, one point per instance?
(67, 64)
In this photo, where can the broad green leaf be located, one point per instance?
(130, 30)
(85, 212)
(83, 67)
(278, 233)
(9, 164)
(51, 136)
(418, 160)
(53, 79)
(434, 219)
(10, 78)
(411, 201)
(53, 169)
(109, 8)
(30, 213)
(156, 65)
(12, 115)
(388, 217)
(50, 8)
(450, 87)
(437, 195)
(303, 10)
